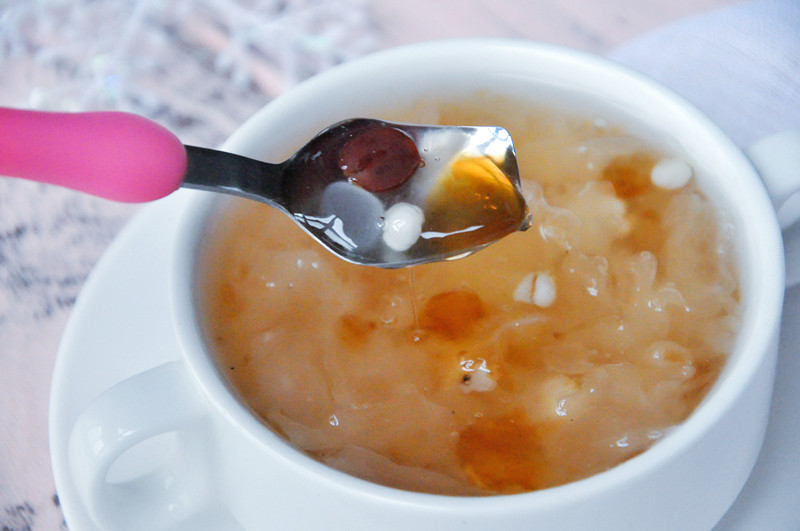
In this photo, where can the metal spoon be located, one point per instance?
(375, 193)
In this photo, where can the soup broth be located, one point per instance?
(550, 356)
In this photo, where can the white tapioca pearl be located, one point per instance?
(523, 291)
(544, 290)
(536, 288)
(671, 174)
(402, 226)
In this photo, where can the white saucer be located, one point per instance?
(121, 326)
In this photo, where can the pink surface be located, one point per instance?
(114, 155)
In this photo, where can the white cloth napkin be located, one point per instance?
(740, 65)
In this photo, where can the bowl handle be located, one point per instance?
(777, 159)
(159, 410)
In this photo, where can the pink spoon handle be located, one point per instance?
(114, 155)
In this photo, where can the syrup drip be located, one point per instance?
(412, 296)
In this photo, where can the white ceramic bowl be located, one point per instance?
(234, 463)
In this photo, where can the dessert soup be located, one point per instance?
(550, 356)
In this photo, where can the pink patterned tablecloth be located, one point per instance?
(201, 67)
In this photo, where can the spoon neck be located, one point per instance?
(219, 171)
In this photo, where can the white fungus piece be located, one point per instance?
(402, 226)
(556, 397)
(479, 381)
(536, 288)
(671, 174)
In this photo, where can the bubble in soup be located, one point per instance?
(550, 356)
